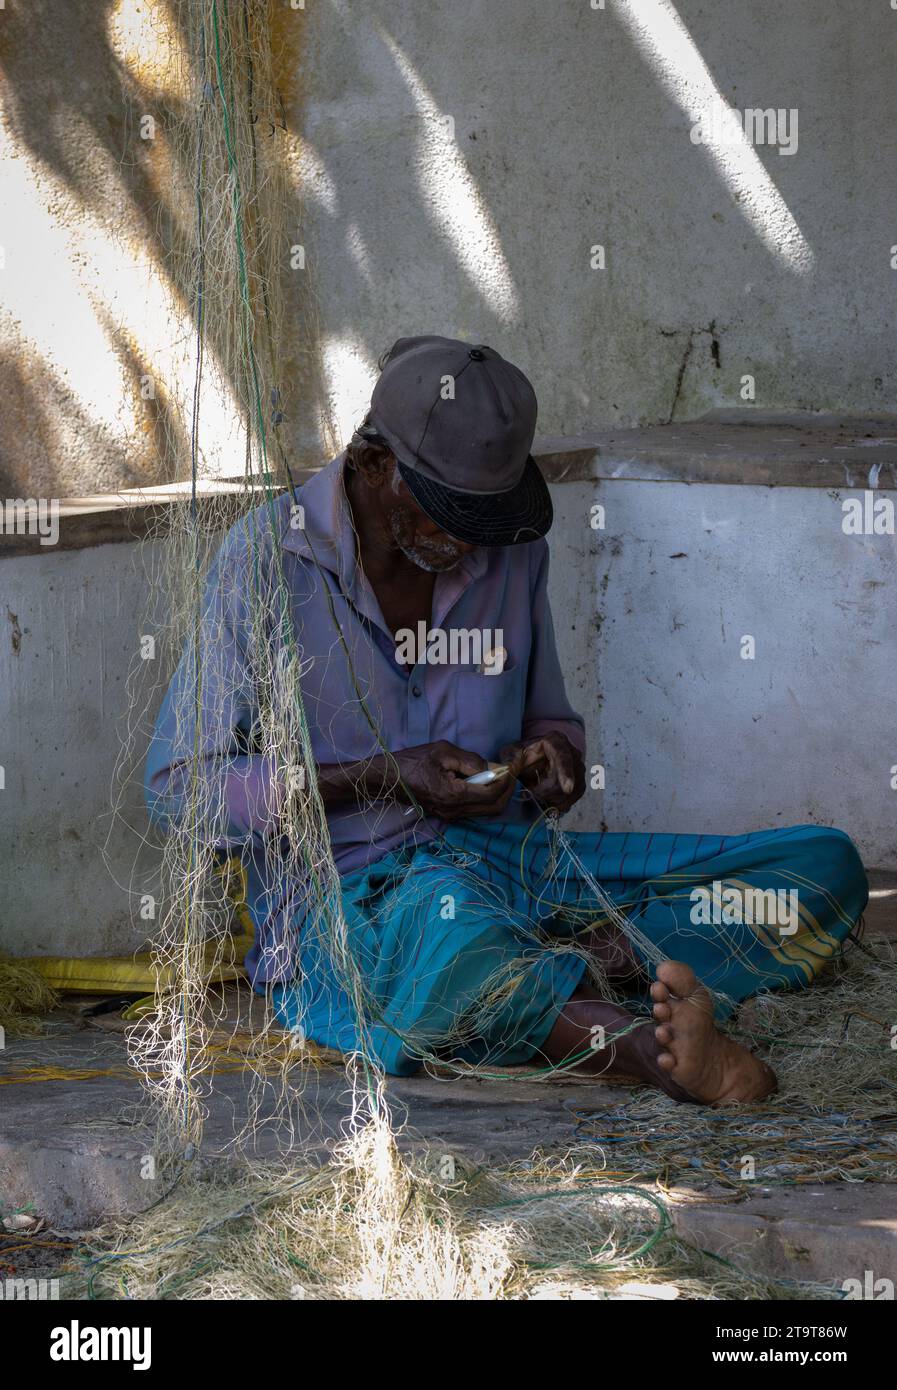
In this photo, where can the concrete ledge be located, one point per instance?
(818, 451)
(131, 515)
(762, 450)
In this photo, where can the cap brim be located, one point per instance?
(523, 513)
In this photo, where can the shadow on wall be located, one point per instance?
(84, 180)
(460, 164)
(463, 162)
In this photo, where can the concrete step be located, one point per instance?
(827, 1233)
(76, 1151)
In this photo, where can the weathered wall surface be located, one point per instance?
(97, 333)
(692, 737)
(460, 160)
(571, 128)
(85, 310)
(73, 867)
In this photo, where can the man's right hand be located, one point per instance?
(434, 774)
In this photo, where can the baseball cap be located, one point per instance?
(460, 420)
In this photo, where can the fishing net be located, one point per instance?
(24, 997)
(833, 1118)
(372, 1221)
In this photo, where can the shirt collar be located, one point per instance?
(326, 536)
(328, 539)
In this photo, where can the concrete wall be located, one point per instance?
(691, 736)
(74, 860)
(97, 342)
(85, 307)
(571, 129)
(458, 161)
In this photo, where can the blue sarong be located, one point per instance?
(471, 944)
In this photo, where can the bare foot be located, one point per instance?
(702, 1060)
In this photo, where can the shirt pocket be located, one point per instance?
(489, 707)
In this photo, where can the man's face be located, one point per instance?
(420, 539)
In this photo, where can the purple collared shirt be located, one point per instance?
(500, 589)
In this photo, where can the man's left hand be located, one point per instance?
(550, 767)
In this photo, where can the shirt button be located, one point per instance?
(415, 690)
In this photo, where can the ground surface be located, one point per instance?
(73, 1147)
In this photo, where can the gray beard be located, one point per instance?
(422, 563)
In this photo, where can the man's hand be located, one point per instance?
(434, 773)
(549, 767)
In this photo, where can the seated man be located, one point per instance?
(480, 932)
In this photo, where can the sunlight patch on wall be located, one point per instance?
(452, 199)
(145, 42)
(62, 275)
(663, 39)
(349, 374)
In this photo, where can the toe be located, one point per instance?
(659, 992)
(663, 1013)
(678, 977)
(666, 1060)
(664, 1035)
